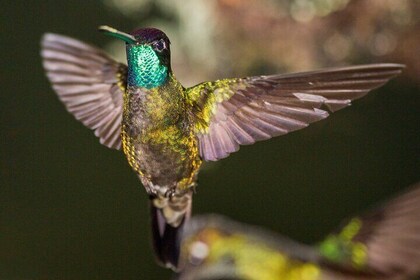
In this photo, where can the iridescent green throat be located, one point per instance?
(144, 67)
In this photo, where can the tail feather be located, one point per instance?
(169, 217)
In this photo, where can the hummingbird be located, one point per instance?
(167, 130)
(381, 244)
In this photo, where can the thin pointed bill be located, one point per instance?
(118, 34)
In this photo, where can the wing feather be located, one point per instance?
(88, 82)
(258, 108)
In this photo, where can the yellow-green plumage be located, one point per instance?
(203, 99)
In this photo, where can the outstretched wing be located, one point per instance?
(235, 112)
(88, 82)
(384, 242)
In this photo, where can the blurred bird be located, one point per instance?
(382, 245)
(166, 130)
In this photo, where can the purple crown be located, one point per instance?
(149, 34)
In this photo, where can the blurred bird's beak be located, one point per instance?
(118, 34)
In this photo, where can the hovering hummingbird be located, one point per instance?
(381, 245)
(167, 130)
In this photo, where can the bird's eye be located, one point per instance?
(159, 45)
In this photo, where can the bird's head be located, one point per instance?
(148, 55)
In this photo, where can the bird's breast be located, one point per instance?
(158, 140)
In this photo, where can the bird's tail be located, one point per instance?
(169, 215)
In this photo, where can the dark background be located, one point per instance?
(72, 209)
